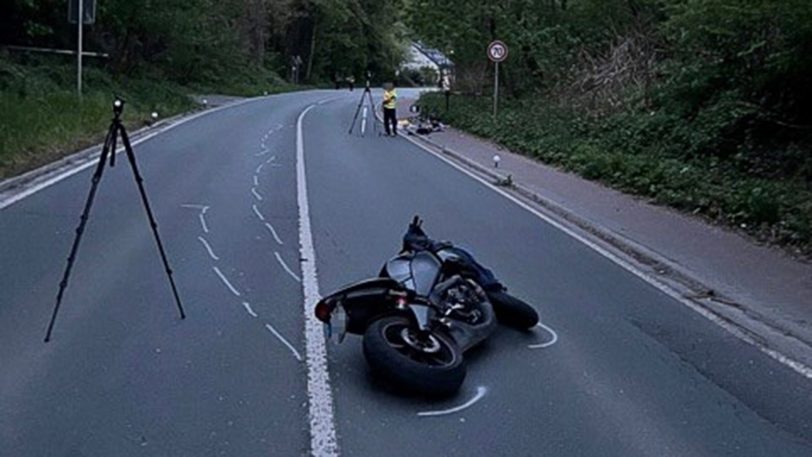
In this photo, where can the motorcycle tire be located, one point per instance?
(399, 363)
(513, 312)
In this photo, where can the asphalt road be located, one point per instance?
(632, 373)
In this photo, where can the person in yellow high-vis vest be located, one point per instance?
(390, 105)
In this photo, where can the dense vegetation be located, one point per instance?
(161, 51)
(700, 104)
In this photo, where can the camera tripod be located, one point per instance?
(369, 110)
(109, 149)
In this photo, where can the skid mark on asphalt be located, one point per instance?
(480, 392)
(552, 341)
(284, 341)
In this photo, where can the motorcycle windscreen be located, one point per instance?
(425, 270)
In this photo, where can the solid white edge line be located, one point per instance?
(323, 442)
(548, 343)
(248, 308)
(286, 267)
(285, 342)
(480, 392)
(795, 365)
(93, 158)
(273, 232)
(208, 248)
(226, 282)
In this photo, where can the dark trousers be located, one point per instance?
(389, 116)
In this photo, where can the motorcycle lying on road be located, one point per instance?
(429, 304)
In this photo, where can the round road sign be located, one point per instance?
(497, 51)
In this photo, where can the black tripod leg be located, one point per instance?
(81, 228)
(372, 109)
(357, 110)
(140, 181)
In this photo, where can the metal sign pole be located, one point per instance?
(495, 88)
(79, 22)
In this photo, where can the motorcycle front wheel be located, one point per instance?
(424, 364)
(512, 311)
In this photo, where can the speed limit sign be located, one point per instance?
(497, 51)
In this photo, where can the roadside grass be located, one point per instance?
(639, 153)
(42, 119)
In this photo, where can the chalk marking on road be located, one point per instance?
(273, 232)
(259, 168)
(92, 159)
(256, 211)
(284, 341)
(546, 344)
(225, 281)
(256, 194)
(248, 308)
(256, 180)
(201, 215)
(208, 248)
(286, 267)
(323, 441)
(262, 152)
(270, 159)
(480, 392)
(795, 365)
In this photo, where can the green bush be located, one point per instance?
(655, 154)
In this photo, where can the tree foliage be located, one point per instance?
(211, 40)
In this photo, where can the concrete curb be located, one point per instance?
(754, 325)
(9, 185)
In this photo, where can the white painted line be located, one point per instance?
(193, 206)
(271, 159)
(286, 268)
(256, 211)
(225, 281)
(285, 342)
(323, 441)
(259, 168)
(798, 367)
(547, 344)
(208, 248)
(480, 392)
(256, 180)
(262, 152)
(93, 159)
(273, 232)
(256, 194)
(248, 308)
